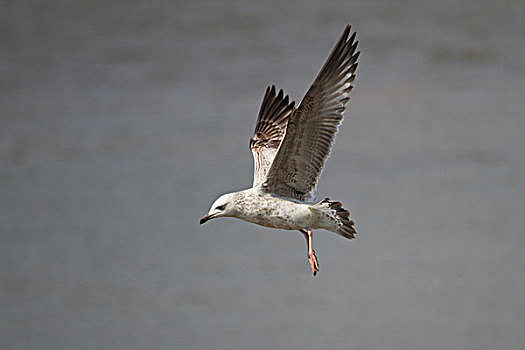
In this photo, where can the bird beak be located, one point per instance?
(205, 218)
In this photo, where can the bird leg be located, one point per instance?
(309, 236)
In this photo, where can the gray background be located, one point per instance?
(122, 121)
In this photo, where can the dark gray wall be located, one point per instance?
(121, 121)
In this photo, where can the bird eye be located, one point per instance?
(221, 207)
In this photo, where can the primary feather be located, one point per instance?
(312, 126)
(269, 131)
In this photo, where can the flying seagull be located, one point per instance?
(290, 146)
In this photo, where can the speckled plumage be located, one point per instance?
(258, 207)
(290, 146)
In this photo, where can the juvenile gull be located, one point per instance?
(290, 146)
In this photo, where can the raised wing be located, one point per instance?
(269, 131)
(312, 126)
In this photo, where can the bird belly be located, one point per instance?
(274, 221)
(281, 214)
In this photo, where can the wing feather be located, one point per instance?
(312, 127)
(269, 131)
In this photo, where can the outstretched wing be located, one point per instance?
(312, 126)
(269, 131)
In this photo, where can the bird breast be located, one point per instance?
(265, 210)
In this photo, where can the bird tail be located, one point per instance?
(336, 218)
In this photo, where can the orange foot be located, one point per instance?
(313, 262)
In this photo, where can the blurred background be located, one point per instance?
(122, 121)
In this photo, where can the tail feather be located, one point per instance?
(344, 225)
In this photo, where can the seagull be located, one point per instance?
(290, 146)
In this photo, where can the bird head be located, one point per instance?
(223, 206)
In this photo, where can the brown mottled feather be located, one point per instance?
(269, 131)
(312, 126)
